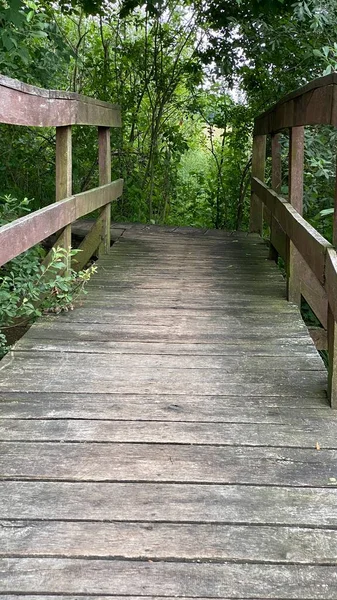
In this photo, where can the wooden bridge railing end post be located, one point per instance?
(332, 353)
(276, 181)
(296, 166)
(104, 161)
(64, 176)
(332, 325)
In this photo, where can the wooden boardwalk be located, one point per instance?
(163, 439)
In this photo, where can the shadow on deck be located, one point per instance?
(171, 437)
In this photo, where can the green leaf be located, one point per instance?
(326, 212)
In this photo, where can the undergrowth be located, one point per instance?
(29, 287)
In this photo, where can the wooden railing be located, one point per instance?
(311, 261)
(23, 104)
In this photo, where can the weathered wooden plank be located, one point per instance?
(62, 329)
(180, 321)
(167, 463)
(176, 243)
(264, 505)
(160, 299)
(175, 271)
(233, 289)
(23, 104)
(218, 280)
(83, 363)
(215, 580)
(168, 541)
(63, 378)
(305, 434)
(280, 347)
(23, 233)
(170, 304)
(256, 409)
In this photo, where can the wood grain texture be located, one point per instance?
(23, 104)
(63, 183)
(313, 104)
(104, 164)
(296, 168)
(169, 503)
(172, 578)
(283, 434)
(171, 437)
(190, 463)
(179, 407)
(169, 541)
(277, 235)
(23, 233)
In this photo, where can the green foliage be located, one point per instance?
(12, 208)
(29, 288)
(31, 47)
(184, 148)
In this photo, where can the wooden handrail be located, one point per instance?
(310, 260)
(313, 104)
(23, 233)
(23, 104)
(319, 254)
(309, 242)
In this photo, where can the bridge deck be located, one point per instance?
(161, 440)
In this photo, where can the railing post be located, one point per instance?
(276, 167)
(331, 330)
(296, 160)
(64, 175)
(258, 170)
(104, 161)
(332, 353)
(276, 180)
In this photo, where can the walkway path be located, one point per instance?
(163, 439)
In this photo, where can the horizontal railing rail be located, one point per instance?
(310, 260)
(313, 104)
(23, 233)
(309, 242)
(23, 104)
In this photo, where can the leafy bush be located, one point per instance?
(30, 288)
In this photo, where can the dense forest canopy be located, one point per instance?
(190, 77)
